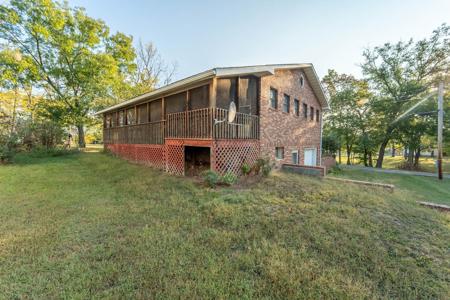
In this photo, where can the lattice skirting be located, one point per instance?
(147, 154)
(175, 157)
(230, 155)
(226, 155)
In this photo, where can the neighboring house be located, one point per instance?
(174, 128)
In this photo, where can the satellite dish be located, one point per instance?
(231, 115)
(231, 112)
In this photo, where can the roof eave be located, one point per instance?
(158, 92)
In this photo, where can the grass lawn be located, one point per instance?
(92, 226)
(420, 188)
(427, 164)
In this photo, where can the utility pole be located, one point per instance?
(440, 125)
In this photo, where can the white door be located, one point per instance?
(310, 157)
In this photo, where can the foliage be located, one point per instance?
(72, 56)
(263, 166)
(246, 169)
(386, 106)
(402, 74)
(350, 107)
(211, 178)
(337, 169)
(8, 147)
(128, 231)
(42, 152)
(228, 179)
(330, 143)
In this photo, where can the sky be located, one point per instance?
(200, 35)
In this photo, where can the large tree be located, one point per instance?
(76, 58)
(401, 74)
(348, 108)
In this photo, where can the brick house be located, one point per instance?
(182, 128)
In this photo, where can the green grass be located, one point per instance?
(420, 188)
(92, 226)
(426, 164)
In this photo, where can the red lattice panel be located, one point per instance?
(151, 155)
(230, 155)
(175, 157)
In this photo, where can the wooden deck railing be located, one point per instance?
(244, 126)
(200, 124)
(149, 133)
(193, 124)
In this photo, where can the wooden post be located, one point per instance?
(163, 118)
(135, 114)
(212, 92)
(186, 122)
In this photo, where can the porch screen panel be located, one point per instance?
(175, 103)
(142, 113)
(226, 92)
(114, 119)
(131, 116)
(199, 97)
(248, 93)
(155, 110)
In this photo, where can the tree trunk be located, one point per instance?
(340, 156)
(365, 157)
(416, 158)
(410, 156)
(381, 153)
(370, 159)
(349, 152)
(14, 112)
(81, 140)
(393, 150)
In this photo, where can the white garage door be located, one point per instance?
(310, 157)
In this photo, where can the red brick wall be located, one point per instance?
(279, 129)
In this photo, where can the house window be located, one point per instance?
(305, 110)
(286, 103)
(317, 115)
(296, 107)
(279, 152)
(312, 113)
(302, 81)
(273, 98)
(295, 157)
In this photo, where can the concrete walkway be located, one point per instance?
(390, 171)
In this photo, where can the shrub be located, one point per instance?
(40, 152)
(6, 154)
(335, 169)
(228, 179)
(246, 169)
(8, 145)
(263, 166)
(211, 178)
